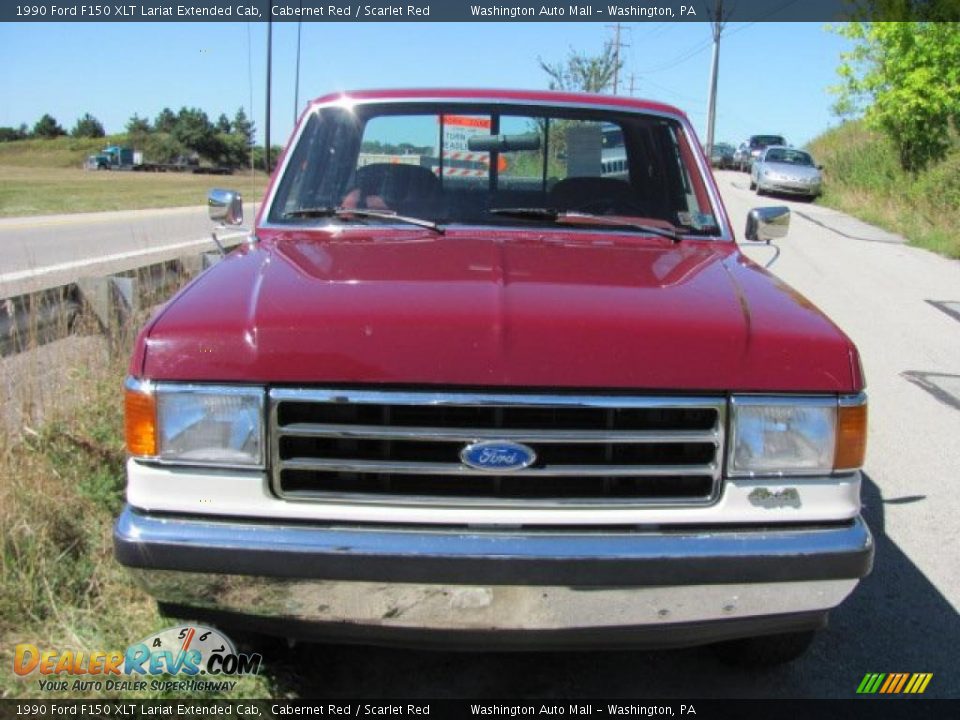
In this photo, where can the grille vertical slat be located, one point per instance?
(377, 446)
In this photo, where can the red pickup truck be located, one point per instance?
(492, 370)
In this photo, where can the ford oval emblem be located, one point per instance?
(498, 456)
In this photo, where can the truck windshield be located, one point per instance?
(460, 163)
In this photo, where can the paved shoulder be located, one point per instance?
(43, 251)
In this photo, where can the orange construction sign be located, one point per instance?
(466, 121)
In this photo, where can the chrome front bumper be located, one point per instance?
(614, 587)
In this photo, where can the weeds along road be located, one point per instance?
(46, 251)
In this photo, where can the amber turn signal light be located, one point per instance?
(851, 436)
(140, 420)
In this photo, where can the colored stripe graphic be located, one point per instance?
(903, 680)
(870, 683)
(894, 683)
(891, 680)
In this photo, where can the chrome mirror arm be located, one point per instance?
(251, 237)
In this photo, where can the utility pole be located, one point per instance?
(633, 77)
(296, 82)
(617, 45)
(266, 130)
(616, 59)
(716, 26)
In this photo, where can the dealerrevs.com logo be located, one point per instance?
(200, 657)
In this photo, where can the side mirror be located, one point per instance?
(225, 206)
(767, 223)
(819, 167)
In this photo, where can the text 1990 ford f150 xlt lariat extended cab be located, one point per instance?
(492, 370)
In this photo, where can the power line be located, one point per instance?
(674, 93)
(773, 12)
(679, 59)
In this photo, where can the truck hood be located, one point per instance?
(492, 309)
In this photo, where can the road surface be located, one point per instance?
(46, 251)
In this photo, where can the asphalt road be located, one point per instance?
(903, 618)
(46, 251)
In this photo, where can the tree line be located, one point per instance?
(48, 127)
(188, 134)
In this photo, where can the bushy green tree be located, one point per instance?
(905, 78)
(138, 130)
(163, 148)
(88, 127)
(582, 72)
(189, 133)
(194, 130)
(165, 121)
(902, 10)
(9, 134)
(234, 150)
(48, 127)
(138, 125)
(243, 126)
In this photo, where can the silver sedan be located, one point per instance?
(786, 170)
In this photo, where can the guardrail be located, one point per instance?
(39, 317)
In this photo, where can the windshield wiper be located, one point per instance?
(338, 212)
(580, 218)
(534, 213)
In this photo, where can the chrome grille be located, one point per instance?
(404, 447)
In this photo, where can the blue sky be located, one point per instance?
(773, 77)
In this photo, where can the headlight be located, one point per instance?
(195, 424)
(796, 436)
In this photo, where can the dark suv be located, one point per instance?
(756, 145)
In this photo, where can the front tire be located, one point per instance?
(765, 650)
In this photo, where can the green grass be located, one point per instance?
(61, 487)
(862, 177)
(39, 177)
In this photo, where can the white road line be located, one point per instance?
(77, 264)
